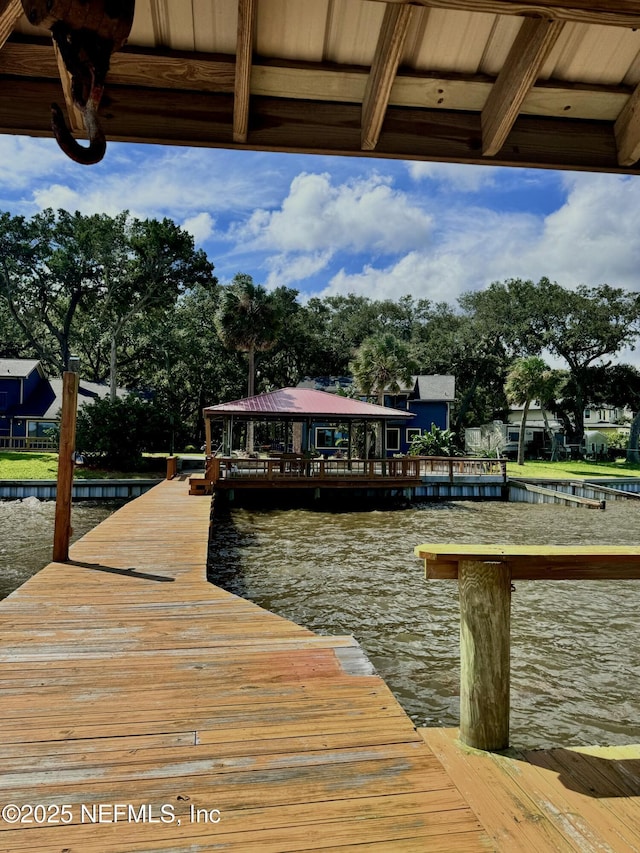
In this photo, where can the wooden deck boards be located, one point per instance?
(584, 799)
(125, 678)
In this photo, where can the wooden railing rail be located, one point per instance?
(484, 574)
(409, 467)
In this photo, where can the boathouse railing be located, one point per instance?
(485, 574)
(407, 467)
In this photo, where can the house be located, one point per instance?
(427, 398)
(30, 404)
(543, 428)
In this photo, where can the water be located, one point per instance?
(575, 651)
(26, 535)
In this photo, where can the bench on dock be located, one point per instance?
(485, 574)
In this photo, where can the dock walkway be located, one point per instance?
(144, 709)
(127, 679)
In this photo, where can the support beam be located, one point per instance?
(485, 614)
(10, 12)
(383, 71)
(517, 77)
(66, 465)
(612, 13)
(74, 116)
(244, 56)
(627, 131)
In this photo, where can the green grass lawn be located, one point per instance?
(44, 466)
(567, 470)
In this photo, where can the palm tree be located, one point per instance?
(247, 320)
(529, 379)
(380, 364)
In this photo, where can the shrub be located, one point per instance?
(436, 442)
(115, 434)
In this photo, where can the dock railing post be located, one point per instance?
(485, 615)
(66, 465)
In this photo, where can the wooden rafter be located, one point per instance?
(614, 13)
(244, 58)
(10, 13)
(383, 71)
(520, 71)
(627, 131)
(74, 116)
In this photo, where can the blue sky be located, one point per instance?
(380, 228)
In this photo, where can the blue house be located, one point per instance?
(428, 398)
(30, 404)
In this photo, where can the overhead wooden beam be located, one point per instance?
(383, 71)
(306, 81)
(316, 127)
(519, 73)
(244, 58)
(614, 13)
(627, 131)
(75, 121)
(10, 12)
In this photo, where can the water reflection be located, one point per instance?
(575, 661)
(26, 535)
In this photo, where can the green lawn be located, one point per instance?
(567, 470)
(44, 466)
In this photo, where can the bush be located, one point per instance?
(436, 442)
(114, 434)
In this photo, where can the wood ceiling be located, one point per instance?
(525, 83)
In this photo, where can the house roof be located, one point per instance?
(46, 401)
(19, 368)
(436, 388)
(302, 403)
(547, 83)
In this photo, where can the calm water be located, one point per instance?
(26, 536)
(575, 645)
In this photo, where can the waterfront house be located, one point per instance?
(427, 397)
(30, 404)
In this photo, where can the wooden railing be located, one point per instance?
(15, 443)
(484, 575)
(408, 467)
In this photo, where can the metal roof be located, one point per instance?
(302, 403)
(19, 368)
(550, 83)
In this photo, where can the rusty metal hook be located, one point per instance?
(97, 140)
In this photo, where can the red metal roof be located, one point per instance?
(304, 402)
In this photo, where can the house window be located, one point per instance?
(412, 433)
(327, 438)
(587, 413)
(393, 438)
(3, 401)
(42, 429)
(514, 436)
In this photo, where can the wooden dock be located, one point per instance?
(144, 709)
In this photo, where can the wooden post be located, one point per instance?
(207, 435)
(485, 612)
(66, 464)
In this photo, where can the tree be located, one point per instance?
(48, 271)
(379, 365)
(582, 327)
(619, 385)
(248, 320)
(528, 379)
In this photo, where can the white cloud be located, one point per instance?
(287, 270)
(199, 226)
(359, 215)
(23, 160)
(456, 177)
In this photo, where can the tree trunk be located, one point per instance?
(523, 425)
(251, 390)
(113, 361)
(633, 453)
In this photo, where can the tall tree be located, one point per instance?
(248, 320)
(528, 379)
(380, 364)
